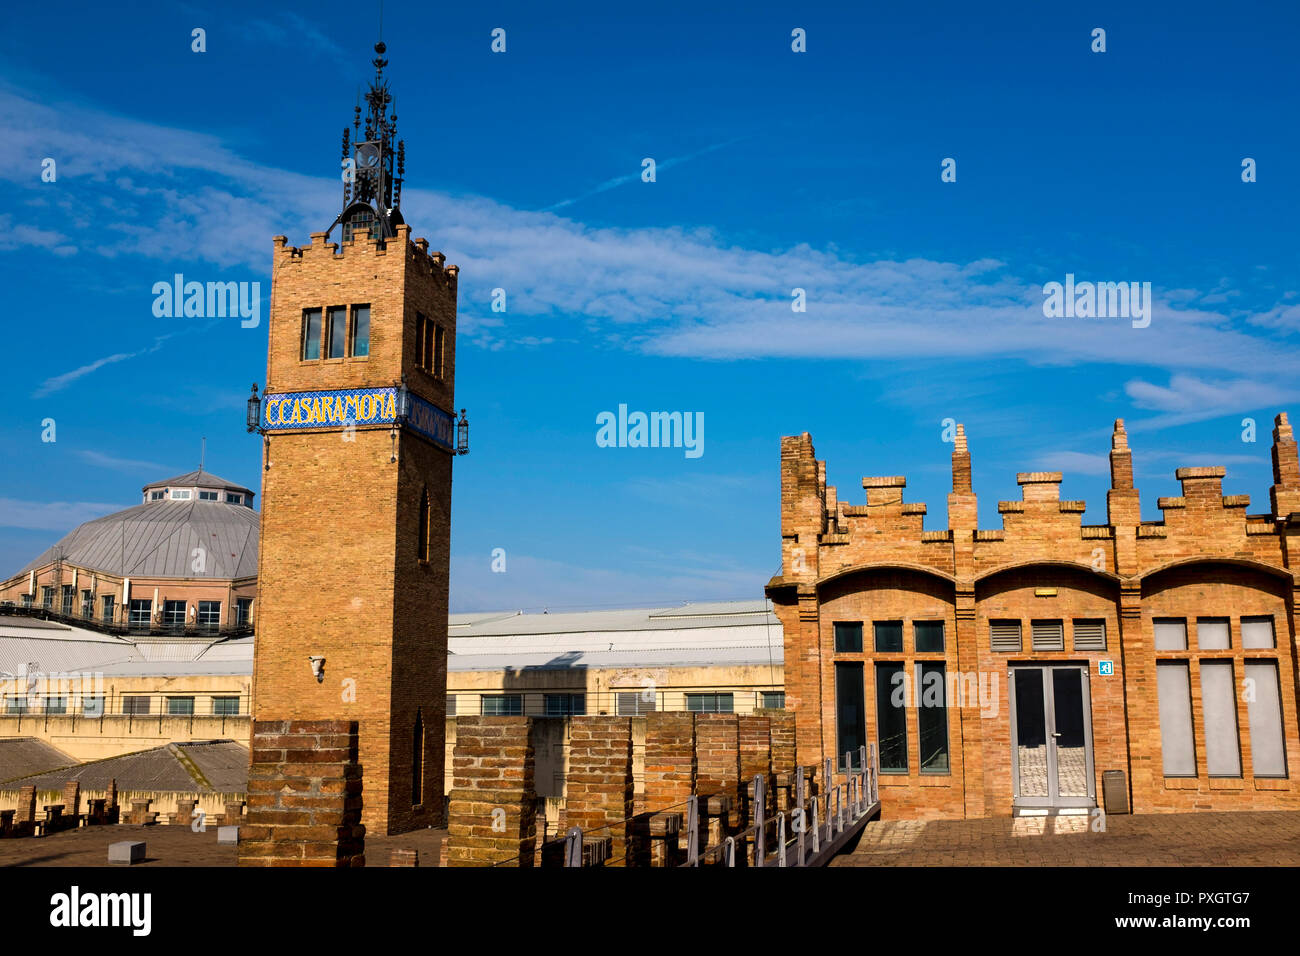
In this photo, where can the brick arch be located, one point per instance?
(1248, 564)
(886, 567)
(1087, 569)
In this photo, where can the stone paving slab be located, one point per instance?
(178, 846)
(1254, 838)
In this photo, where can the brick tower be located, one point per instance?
(359, 438)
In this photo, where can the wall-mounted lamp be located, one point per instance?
(253, 422)
(318, 667)
(462, 434)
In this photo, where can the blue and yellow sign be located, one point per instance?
(386, 405)
(336, 409)
(431, 421)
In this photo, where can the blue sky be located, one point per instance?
(776, 171)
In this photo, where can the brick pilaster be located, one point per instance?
(493, 814)
(598, 797)
(304, 795)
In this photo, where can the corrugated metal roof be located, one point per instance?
(22, 756)
(72, 650)
(701, 614)
(161, 768)
(157, 539)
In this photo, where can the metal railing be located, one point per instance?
(572, 702)
(121, 628)
(41, 703)
(818, 826)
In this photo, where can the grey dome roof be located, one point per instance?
(198, 478)
(158, 539)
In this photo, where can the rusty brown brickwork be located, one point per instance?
(598, 794)
(340, 574)
(493, 807)
(669, 760)
(304, 795)
(873, 562)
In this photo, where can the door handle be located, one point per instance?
(1056, 733)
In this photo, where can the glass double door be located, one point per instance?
(1051, 736)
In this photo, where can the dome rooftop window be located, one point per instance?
(198, 486)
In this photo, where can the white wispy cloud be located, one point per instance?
(50, 515)
(56, 383)
(672, 291)
(120, 464)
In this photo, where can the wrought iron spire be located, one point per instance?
(372, 174)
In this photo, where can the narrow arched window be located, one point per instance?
(422, 546)
(417, 761)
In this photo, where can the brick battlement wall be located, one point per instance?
(493, 815)
(874, 562)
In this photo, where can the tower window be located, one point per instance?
(310, 334)
(360, 330)
(422, 546)
(338, 331)
(428, 345)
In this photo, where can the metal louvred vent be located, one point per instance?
(1005, 635)
(1089, 635)
(1048, 635)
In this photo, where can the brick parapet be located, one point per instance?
(304, 795)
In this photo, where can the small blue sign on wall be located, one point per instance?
(1105, 668)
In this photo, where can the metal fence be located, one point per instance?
(808, 832)
(178, 704)
(117, 627)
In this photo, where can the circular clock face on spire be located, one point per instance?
(368, 156)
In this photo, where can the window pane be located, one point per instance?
(889, 636)
(1212, 633)
(92, 706)
(338, 331)
(508, 705)
(180, 706)
(1171, 634)
(850, 710)
(929, 636)
(225, 706)
(848, 638)
(1222, 746)
(1174, 689)
(891, 718)
(135, 705)
(311, 334)
(773, 699)
(1257, 632)
(361, 330)
(438, 346)
(932, 717)
(1268, 753)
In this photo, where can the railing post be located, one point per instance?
(828, 778)
(573, 847)
(780, 838)
(760, 824)
(693, 830)
(729, 852)
(875, 775)
(799, 786)
(816, 828)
